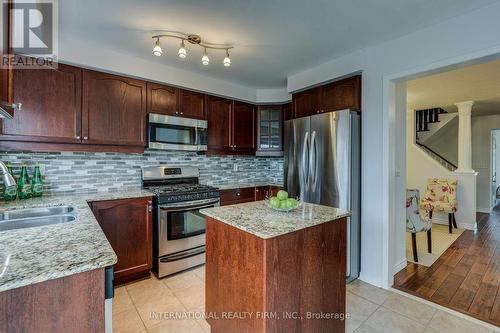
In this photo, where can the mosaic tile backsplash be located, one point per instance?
(82, 172)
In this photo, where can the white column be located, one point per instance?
(464, 137)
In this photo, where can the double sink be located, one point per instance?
(11, 219)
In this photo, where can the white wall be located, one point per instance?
(458, 40)
(93, 56)
(481, 157)
(496, 136)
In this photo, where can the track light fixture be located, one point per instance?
(157, 51)
(227, 60)
(205, 60)
(194, 40)
(182, 51)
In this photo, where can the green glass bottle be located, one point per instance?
(9, 193)
(23, 184)
(37, 183)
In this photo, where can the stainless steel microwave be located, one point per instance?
(176, 133)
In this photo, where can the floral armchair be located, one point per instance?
(417, 222)
(441, 197)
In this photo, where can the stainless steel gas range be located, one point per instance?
(179, 227)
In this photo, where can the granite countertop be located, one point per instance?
(258, 219)
(245, 185)
(38, 254)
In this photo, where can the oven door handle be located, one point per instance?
(183, 255)
(195, 204)
(168, 209)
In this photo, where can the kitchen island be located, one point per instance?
(269, 271)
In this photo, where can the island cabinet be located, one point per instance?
(287, 270)
(338, 95)
(74, 303)
(231, 127)
(127, 224)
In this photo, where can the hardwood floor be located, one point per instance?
(466, 277)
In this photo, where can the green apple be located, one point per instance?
(284, 204)
(275, 202)
(291, 203)
(282, 195)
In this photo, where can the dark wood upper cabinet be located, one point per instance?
(338, 95)
(219, 113)
(127, 225)
(269, 131)
(231, 127)
(243, 127)
(287, 111)
(307, 102)
(51, 110)
(343, 94)
(192, 104)
(6, 79)
(114, 110)
(163, 99)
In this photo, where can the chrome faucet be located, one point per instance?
(8, 180)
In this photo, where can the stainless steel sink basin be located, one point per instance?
(36, 217)
(37, 212)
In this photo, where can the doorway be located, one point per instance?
(471, 257)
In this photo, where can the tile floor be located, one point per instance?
(372, 309)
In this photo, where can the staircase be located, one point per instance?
(428, 123)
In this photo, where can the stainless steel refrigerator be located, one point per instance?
(323, 166)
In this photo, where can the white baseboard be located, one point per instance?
(483, 210)
(399, 266)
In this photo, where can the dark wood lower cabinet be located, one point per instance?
(127, 224)
(70, 304)
(247, 194)
(236, 196)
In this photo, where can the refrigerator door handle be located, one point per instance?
(305, 173)
(314, 170)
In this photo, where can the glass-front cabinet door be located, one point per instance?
(270, 131)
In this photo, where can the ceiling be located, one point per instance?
(479, 83)
(272, 38)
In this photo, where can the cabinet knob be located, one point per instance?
(85, 138)
(182, 112)
(176, 112)
(238, 194)
(78, 137)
